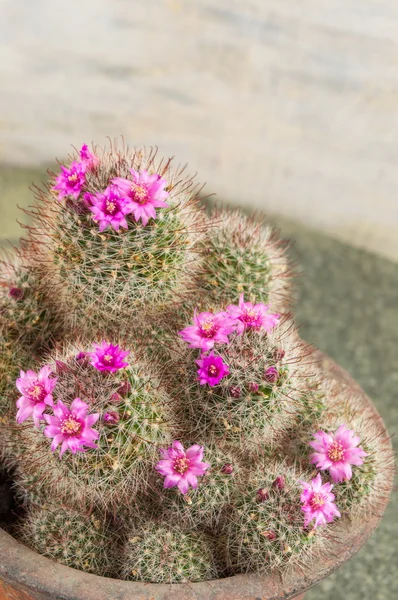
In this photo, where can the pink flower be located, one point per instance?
(252, 316)
(182, 468)
(207, 330)
(271, 375)
(111, 417)
(110, 208)
(318, 502)
(211, 369)
(145, 192)
(36, 390)
(107, 357)
(88, 159)
(71, 181)
(337, 452)
(71, 427)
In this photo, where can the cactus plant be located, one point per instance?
(161, 554)
(72, 538)
(167, 404)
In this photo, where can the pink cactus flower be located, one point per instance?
(36, 390)
(318, 502)
(337, 452)
(110, 208)
(89, 160)
(271, 375)
(107, 357)
(144, 192)
(252, 316)
(71, 427)
(111, 417)
(182, 468)
(211, 369)
(71, 181)
(207, 330)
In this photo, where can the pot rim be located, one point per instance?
(28, 571)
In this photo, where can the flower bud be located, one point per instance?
(16, 293)
(262, 495)
(253, 387)
(271, 375)
(111, 417)
(227, 469)
(279, 483)
(235, 391)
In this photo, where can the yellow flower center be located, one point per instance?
(108, 358)
(110, 207)
(213, 370)
(181, 465)
(336, 452)
(317, 501)
(36, 392)
(140, 193)
(71, 426)
(208, 328)
(73, 178)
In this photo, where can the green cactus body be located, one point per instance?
(101, 277)
(72, 538)
(243, 257)
(112, 474)
(164, 554)
(264, 530)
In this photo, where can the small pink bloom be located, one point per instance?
(207, 330)
(211, 369)
(72, 428)
(271, 375)
(227, 469)
(337, 452)
(107, 357)
(110, 209)
(36, 390)
(144, 192)
(111, 417)
(318, 502)
(252, 316)
(16, 293)
(182, 468)
(71, 181)
(88, 159)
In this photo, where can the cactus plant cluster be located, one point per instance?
(155, 388)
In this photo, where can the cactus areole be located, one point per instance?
(165, 431)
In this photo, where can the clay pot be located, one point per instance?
(25, 575)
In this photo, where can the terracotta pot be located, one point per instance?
(26, 575)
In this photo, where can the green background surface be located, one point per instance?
(347, 305)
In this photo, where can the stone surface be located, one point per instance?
(288, 106)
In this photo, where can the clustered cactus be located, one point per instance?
(157, 402)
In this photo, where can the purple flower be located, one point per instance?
(318, 502)
(107, 357)
(144, 192)
(211, 369)
(182, 468)
(110, 209)
(252, 316)
(88, 159)
(271, 375)
(71, 427)
(36, 390)
(337, 452)
(207, 330)
(71, 181)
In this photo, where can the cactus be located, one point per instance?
(74, 539)
(261, 397)
(241, 256)
(99, 277)
(134, 420)
(161, 554)
(204, 505)
(182, 449)
(264, 531)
